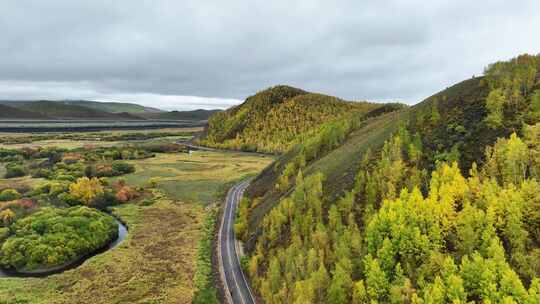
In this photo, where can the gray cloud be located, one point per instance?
(157, 51)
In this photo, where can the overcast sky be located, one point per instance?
(212, 54)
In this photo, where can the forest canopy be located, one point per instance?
(447, 210)
(272, 120)
(54, 236)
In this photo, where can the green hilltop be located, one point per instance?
(274, 119)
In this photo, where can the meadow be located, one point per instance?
(70, 140)
(157, 262)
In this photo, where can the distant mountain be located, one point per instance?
(45, 109)
(7, 112)
(85, 109)
(199, 114)
(113, 107)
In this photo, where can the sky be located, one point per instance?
(193, 54)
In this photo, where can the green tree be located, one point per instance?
(535, 102)
(377, 284)
(360, 295)
(9, 195)
(494, 104)
(508, 161)
(340, 287)
(435, 115)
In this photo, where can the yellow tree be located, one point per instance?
(7, 216)
(86, 189)
(508, 161)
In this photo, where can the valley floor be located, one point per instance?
(157, 261)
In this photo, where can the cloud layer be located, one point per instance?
(162, 53)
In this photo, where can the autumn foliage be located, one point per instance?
(87, 190)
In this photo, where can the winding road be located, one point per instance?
(236, 286)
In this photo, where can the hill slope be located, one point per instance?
(271, 120)
(436, 203)
(61, 110)
(7, 112)
(113, 107)
(182, 115)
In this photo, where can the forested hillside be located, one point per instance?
(437, 203)
(271, 120)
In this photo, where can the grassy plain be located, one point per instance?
(157, 261)
(87, 138)
(195, 177)
(24, 182)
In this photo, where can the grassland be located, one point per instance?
(157, 261)
(196, 177)
(23, 140)
(19, 183)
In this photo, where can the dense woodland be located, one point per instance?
(446, 211)
(54, 236)
(272, 120)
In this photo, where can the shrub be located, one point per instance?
(108, 170)
(102, 171)
(26, 203)
(9, 195)
(147, 202)
(126, 194)
(42, 173)
(58, 187)
(203, 280)
(65, 177)
(120, 168)
(4, 233)
(14, 170)
(153, 182)
(68, 199)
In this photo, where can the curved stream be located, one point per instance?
(122, 234)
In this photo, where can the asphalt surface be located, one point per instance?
(236, 287)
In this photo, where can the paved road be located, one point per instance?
(237, 289)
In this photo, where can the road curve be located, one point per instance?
(236, 286)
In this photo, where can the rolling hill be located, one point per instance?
(273, 119)
(436, 203)
(113, 107)
(199, 114)
(61, 110)
(7, 112)
(94, 110)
